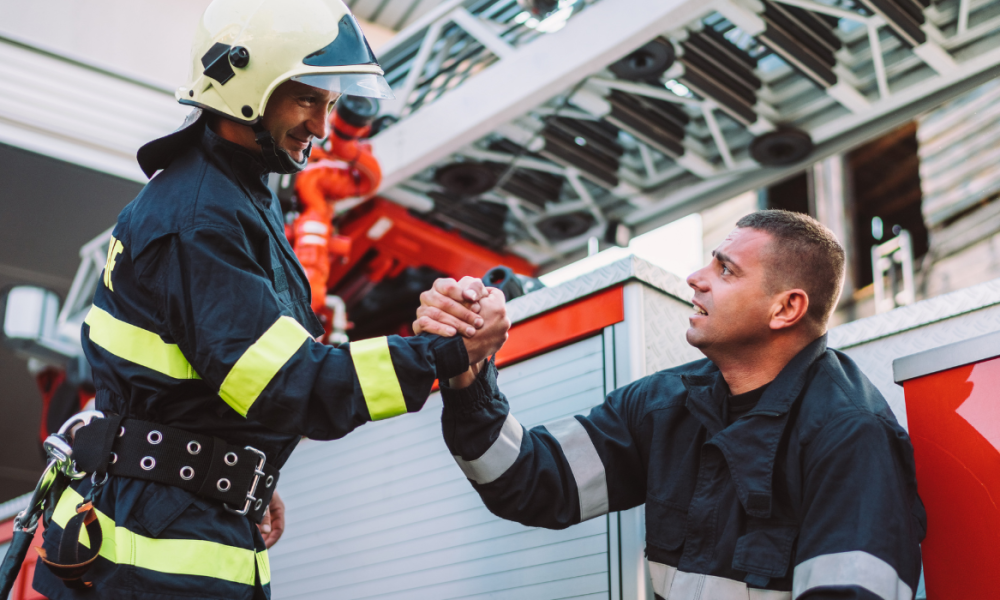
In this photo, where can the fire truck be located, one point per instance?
(520, 132)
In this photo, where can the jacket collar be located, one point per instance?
(750, 445)
(239, 164)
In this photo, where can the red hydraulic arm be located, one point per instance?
(386, 239)
(376, 239)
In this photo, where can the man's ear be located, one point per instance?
(789, 309)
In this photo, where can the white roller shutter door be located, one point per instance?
(386, 513)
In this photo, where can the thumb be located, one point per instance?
(265, 523)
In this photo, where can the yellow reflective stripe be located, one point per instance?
(137, 345)
(175, 557)
(377, 377)
(264, 567)
(261, 362)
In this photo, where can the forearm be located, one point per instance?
(325, 392)
(521, 475)
(468, 377)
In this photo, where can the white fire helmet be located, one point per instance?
(245, 49)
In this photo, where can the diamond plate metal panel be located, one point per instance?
(630, 267)
(661, 279)
(875, 357)
(917, 315)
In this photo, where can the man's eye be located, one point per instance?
(725, 270)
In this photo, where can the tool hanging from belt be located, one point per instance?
(101, 444)
(56, 476)
(74, 558)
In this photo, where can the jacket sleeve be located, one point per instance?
(554, 475)
(225, 316)
(862, 519)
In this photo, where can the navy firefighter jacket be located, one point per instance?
(202, 322)
(811, 494)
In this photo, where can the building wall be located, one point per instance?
(959, 150)
(49, 210)
(147, 39)
(151, 40)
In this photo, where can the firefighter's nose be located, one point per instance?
(697, 280)
(319, 126)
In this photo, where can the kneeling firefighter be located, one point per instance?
(201, 335)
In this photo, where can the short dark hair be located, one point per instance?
(804, 254)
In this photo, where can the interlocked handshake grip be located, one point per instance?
(465, 307)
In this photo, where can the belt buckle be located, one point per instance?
(258, 473)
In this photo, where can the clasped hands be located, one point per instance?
(469, 308)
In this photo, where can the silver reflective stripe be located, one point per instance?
(671, 584)
(850, 568)
(586, 465)
(500, 456)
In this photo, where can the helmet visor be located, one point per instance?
(368, 85)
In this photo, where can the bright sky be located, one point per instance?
(676, 247)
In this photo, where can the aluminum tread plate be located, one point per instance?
(628, 268)
(916, 315)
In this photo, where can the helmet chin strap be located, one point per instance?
(277, 159)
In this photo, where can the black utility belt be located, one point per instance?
(237, 476)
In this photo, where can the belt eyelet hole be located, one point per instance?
(154, 437)
(147, 463)
(231, 458)
(193, 447)
(223, 485)
(269, 481)
(187, 473)
(121, 431)
(258, 504)
(114, 459)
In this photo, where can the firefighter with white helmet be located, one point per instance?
(201, 337)
(245, 51)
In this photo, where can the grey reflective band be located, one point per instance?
(585, 463)
(671, 584)
(856, 568)
(500, 456)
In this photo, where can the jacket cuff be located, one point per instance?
(450, 357)
(474, 398)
